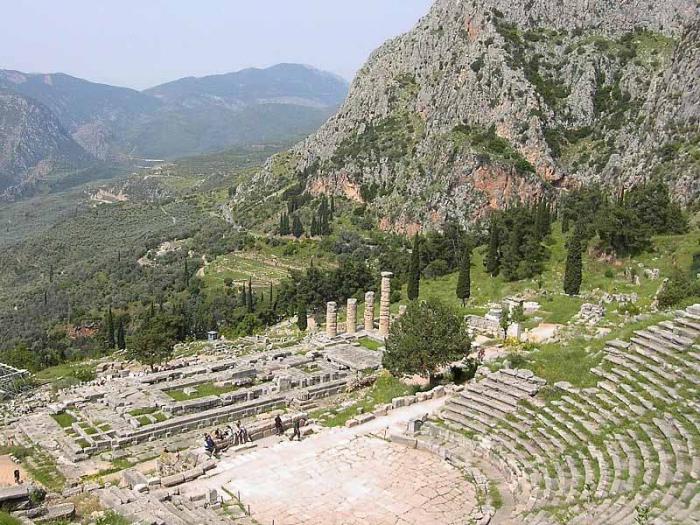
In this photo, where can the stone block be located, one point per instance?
(133, 477)
(438, 391)
(141, 488)
(401, 439)
(365, 418)
(352, 423)
(171, 481)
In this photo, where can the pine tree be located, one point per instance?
(109, 329)
(121, 335)
(492, 262)
(301, 317)
(414, 270)
(573, 272)
(464, 279)
(297, 228)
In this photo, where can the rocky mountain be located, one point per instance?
(33, 143)
(484, 102)
(181, 118)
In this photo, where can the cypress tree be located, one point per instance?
(249, 301)
(297, 228)
(186, 274)
(492, 262)
(301, 317)
(121, 335)
(414, 270)
(573, 273)
(464, 279)
(109, 329)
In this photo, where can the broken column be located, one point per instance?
(385, 304)
(331, 319)
(369, 311)
(351, 316)
(402, 309)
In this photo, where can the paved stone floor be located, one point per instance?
(347, 477)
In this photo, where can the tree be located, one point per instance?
(427, 337)
(250, 301)
(464, 279)
(302, 317)
(492, 262)
(121, 335)
(153, 342)
(505, 322)
(109, 329)
(186, 274)
(414, 270)
(284, 224)
(573, 271)
(517, 314)
(297, 228)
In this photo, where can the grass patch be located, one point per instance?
(370, 343)
(7, 519)
(42, 468)
(495, 495)
(64, 419)
(383, 391)
(203, 390)
(143, 411)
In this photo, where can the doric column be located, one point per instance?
(351, 317)
(331, 319)
(369, 311)
(385, 304)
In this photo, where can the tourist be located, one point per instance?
(230, 434)
(209, 445)
(297, 431)
(18, 481)
(279, 428)
(243, 436)
(218, 435)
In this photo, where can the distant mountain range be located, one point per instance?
(52, 120)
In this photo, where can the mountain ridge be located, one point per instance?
(481, 104)
(115, 124)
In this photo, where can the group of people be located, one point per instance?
(296, 428)
(224, 439)
(239, 435)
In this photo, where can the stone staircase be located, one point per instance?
(601, 454)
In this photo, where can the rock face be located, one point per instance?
(484, 102)
(32, 143)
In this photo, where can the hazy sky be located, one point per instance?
(141, 43)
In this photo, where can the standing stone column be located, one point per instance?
(369, 311)
(331, 319)
(351, 317)
(385, 304)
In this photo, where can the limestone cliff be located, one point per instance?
(483, 102)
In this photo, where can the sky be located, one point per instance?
(142, 43)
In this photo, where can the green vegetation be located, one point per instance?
(64, 419)
(112, 518)
(383, 391)
(7, 519)
(370, 343)
(143, 411)
(489, 145)
(202, 390)
(424, 339)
